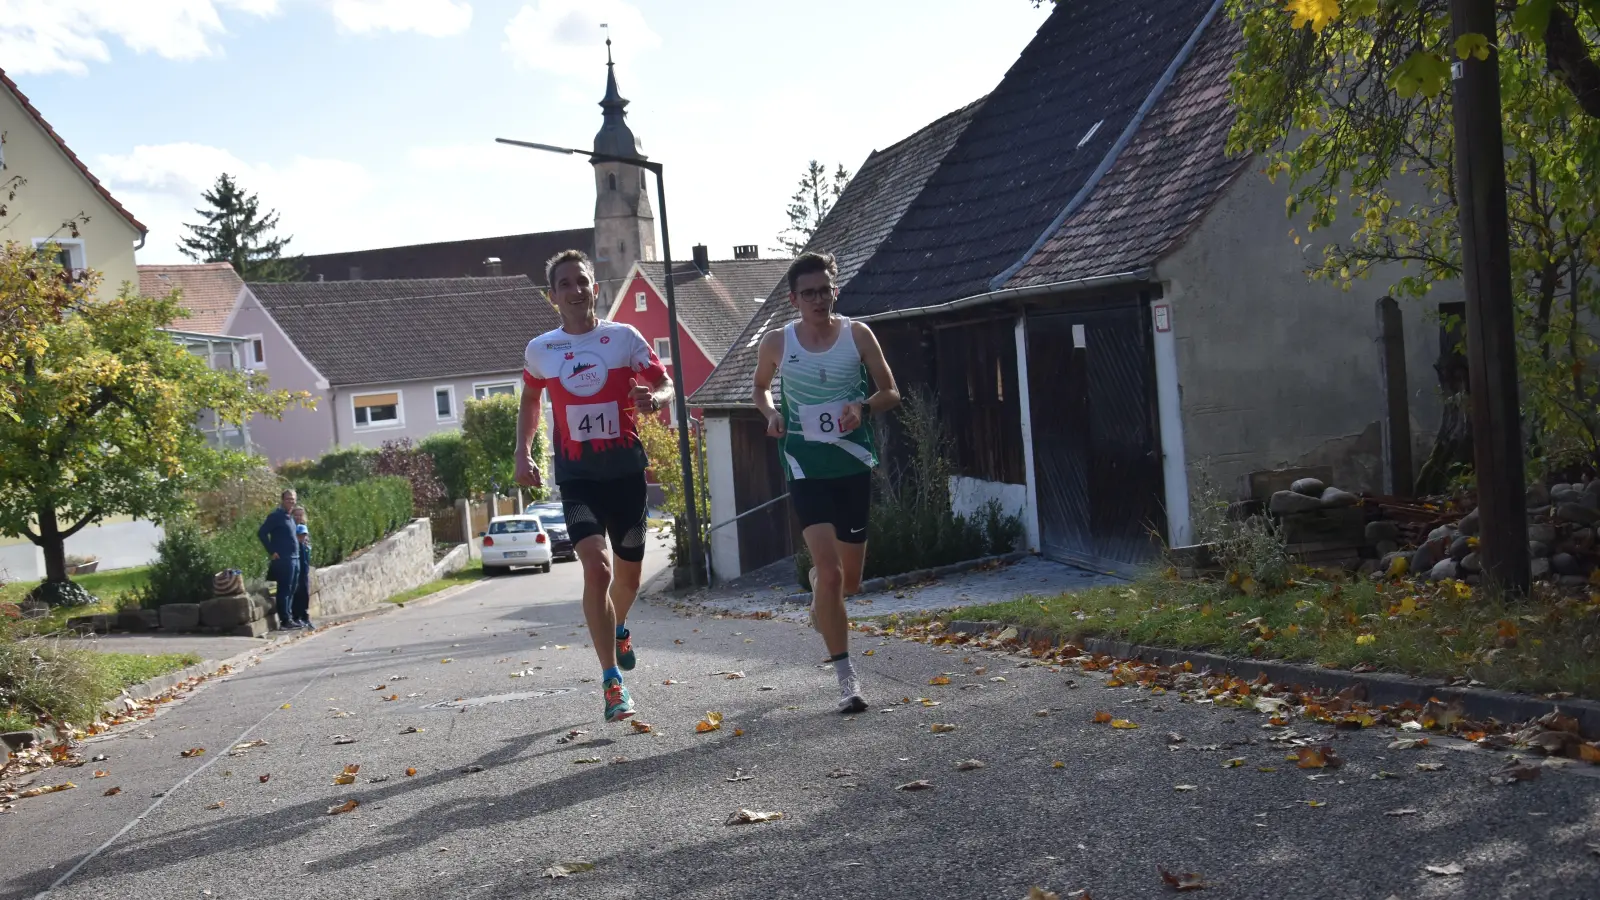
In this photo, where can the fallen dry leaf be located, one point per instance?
(967, 765)
(1447, 869)
(353, 769)
(101, 773)
(1058, 764)
(192, 752)
(711, 722)
(1319, 757)
(1175, 738)
(264, 778)
(410, 772)
(1123, 723)
(344, 807)
(915, 786)
(751, 817)
(446, 660)
(1039, 893)
(1430, 767)
(1184, 788)
(842, 773)
(566, 869)
(285, 706)
(1589, 753)
(1401, 812)
(939, 679)
(641, 727)
(112, 792)
(1234, 763)
(940, 727)
(585, 760)
(344, 779)
(412, 729)
(1186, 881)
(218, 805)
(1408, 743)
(1516, 771)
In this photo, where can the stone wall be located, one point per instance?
(453, 562)
(397, 563)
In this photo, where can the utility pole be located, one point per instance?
(1497, 442)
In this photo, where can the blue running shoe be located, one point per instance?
(619, 705)
(626, 658)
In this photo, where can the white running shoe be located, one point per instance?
(850, 699)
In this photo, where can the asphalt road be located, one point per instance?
(496, 800)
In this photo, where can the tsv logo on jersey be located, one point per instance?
(583, 373)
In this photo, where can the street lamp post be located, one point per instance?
(690, 494)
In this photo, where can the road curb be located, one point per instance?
(906, 579)
(1382, 688)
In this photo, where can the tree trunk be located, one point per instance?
(54, 544)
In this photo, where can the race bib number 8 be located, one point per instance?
(593, 422)
(820, 423)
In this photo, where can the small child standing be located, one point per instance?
(302, 589)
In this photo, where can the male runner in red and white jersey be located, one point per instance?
(600, 375)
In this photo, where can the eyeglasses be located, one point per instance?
(812, 295)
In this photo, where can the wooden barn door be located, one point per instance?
(764, 537)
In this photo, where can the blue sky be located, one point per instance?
(370, 123)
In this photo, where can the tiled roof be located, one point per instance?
(1170, 173)
(1036, 142)
(360, 332)
(716, 308)
(71, 157)
(209, 290)
(864, 215)
(519, 254)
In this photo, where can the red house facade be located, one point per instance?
(716, 300)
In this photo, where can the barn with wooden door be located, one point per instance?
(1102, 297)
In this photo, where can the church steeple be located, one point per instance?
(624, 223)
(615, 137)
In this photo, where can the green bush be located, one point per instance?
(912, 524)
(449, 452)
(344, 518)
(185, 562)
(348, 465)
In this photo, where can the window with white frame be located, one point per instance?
(641, 301)
(664, 350)
(69, 253)
(444, 403)
(494, 389)
(377, 410)
(255, 352)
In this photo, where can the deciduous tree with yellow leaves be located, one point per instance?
(1349, 102)
(103, 406)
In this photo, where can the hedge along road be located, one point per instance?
(497, 799)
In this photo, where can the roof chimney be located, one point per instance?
(702, 259)
(746, 251)
(491, 267)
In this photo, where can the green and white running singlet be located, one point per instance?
(815, 389)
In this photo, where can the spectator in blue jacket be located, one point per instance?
(302, 590)
(278, 537)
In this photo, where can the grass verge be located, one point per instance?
(473, 572)
(1545, 644)
(105, 585)
(44, 676)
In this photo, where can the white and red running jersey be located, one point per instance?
(590, 376)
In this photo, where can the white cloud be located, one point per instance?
(434, 18)
(565, 35)
(43, 36)
(318, 199)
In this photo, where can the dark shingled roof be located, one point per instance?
(519, 254)
(717, 307)
(1171, 172)
(1035, 144)
(360, 332)
(864, 215)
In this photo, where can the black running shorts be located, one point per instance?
(614, 507)
(843, 503)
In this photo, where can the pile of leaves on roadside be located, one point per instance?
(1555, 734)
(64, 748)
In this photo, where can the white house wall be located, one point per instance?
(418, 413)
(301, 433)
(1275, 369)
(719, 472)
(56, 192)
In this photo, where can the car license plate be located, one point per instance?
(516, 554)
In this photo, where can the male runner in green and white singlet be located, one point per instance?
(825, 432)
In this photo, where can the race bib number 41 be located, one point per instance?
(820, 423)
(593, 422)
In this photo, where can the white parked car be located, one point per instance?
(515, 541)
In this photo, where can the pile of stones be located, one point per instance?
(1561, 540)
